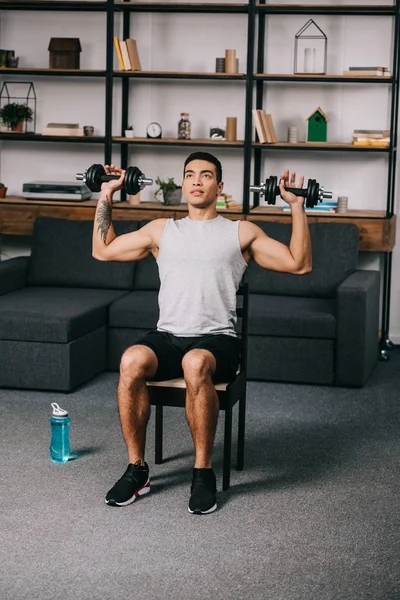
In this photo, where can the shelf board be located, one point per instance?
(179, 75)
(37, 137)
(53, 72)
(50, 5)
(325, 9)
(320, 146)
(176, 142)
(321, 78)
(17, 216)
(364, 214)
(197, 7)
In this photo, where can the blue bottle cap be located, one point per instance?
(57, 411)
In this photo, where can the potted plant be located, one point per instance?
(3, 190)
(172, 193)
(14, 115)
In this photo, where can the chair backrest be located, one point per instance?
(242, 311)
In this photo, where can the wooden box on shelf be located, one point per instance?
(64, 53)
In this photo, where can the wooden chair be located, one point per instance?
(172, 392)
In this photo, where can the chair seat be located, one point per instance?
(179, 382)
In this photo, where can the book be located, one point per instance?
(372, 133)
(133, 54)
(67, 131)
(64, 125)
(125, 55)
(271, 128)
(367, 73)
(376, 143)
(319, 209)
(368, 69)
(264, 125)
(119, 54)
(259, 128)
(360, 138)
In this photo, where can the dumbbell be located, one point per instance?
(95, 175)
(313, 194)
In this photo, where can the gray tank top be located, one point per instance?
(200, 265)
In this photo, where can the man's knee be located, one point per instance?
(138, 362)
(198, 364)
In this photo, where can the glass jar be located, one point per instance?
(184, 126)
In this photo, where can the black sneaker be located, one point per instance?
(134, 482)
(203, 499)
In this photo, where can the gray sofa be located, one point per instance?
(65, 317)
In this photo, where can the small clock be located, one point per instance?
(154, 130)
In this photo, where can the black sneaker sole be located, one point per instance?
(140, 492)
(203, 512)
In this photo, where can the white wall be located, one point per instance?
(191, 42)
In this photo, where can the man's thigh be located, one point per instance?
(226, 350)
(169, 354)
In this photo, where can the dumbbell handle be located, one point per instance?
(104, 178)
(259, 189)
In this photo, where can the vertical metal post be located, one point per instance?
(249, 104)
(259, 100)
(385, 343)
(125, 102)
(109, 82)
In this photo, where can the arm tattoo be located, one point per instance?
(104, 219)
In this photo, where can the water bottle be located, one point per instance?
(59, 444)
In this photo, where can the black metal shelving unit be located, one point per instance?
(260, 78)
(254, 79)
(130, 8)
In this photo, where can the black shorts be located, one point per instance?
(171, 349)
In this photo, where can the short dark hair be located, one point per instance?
(209, 158)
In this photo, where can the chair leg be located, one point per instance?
(226, 477)
(159, 435)
(241, 430)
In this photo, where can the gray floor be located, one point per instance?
(314, 515)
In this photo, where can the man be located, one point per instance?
(201, 261)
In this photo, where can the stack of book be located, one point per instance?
(371, 137)
(264, 126)
(67, 129)
(128, 56)
(324, 207)
(224, 201)
(367, 72)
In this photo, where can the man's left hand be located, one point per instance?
(285, 182)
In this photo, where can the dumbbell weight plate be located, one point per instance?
(312, 193)
(270, 189)
(131, 183)
(93, 177)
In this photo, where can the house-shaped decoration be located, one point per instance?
(317, 126)
(64, 53)
(310, 50)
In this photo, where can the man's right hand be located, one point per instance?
(115, 184)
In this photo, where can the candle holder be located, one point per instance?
(310, 50)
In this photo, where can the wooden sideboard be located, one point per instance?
(17, 216)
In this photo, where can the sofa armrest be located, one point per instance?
(13, 274)
(357, 327)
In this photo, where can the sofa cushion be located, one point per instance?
(138, 309)
(62, 256)
(334, 256)
(59, 315)
(13, 274)
(146, 275)
(286, 316)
